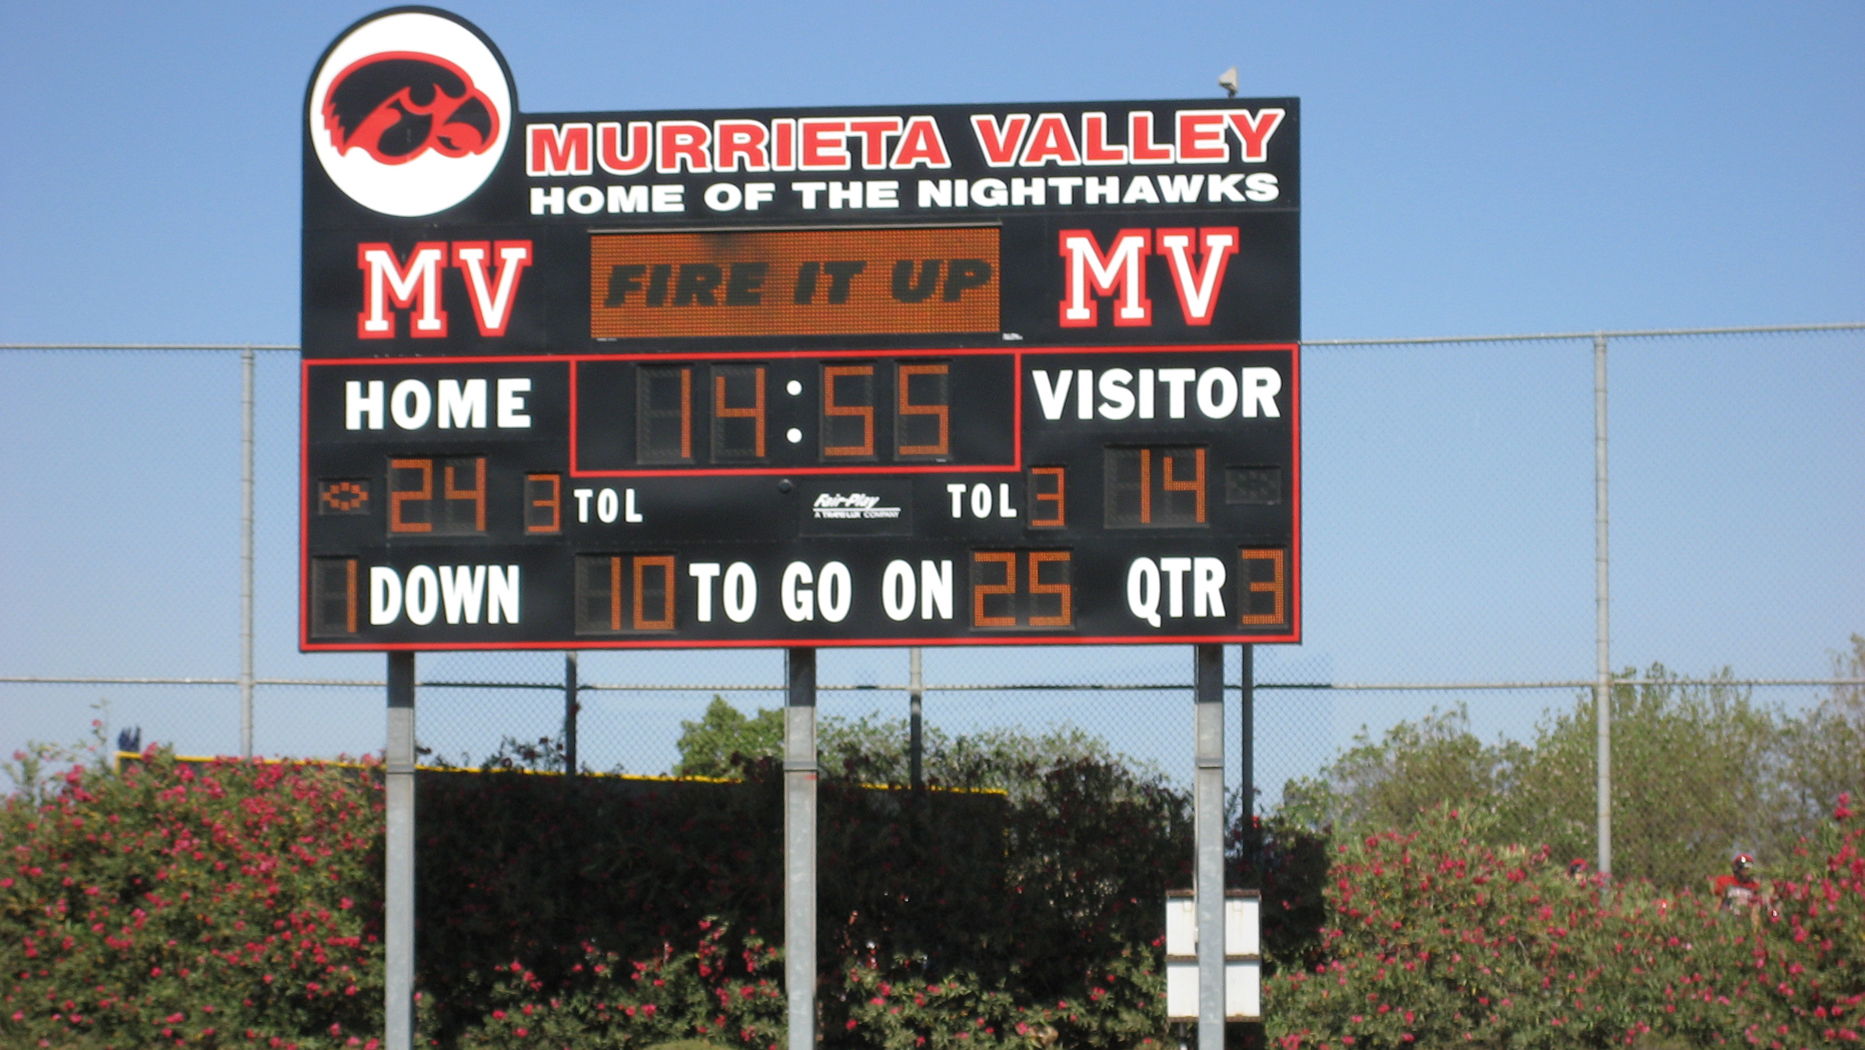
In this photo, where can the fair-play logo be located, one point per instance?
(410, 112)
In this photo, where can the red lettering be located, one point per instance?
(921, 143)
(1000, 143)
(609, 147)
(550, 150)
(1095, 148)
(683, 140)
(1140, 140)
(824, 145)
(1051, 140)
(1201, 137)
(735, 139)
(1254, 130)
(874, 132)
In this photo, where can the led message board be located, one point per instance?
(911, 375)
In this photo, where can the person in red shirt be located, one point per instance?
(1740, 890)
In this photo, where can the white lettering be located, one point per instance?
(835, 591)
(422, 598)
(411, 405)
(384, 595)
(1217, 393)
(1051, 397)
(502, 594)
(897, 590)
(1175, 570)
(1260, 387)
(799, 601)
(936, 590)
(1208, 576)
(462, 406)
(1143, 590)
(512, 403)
(705, 572)
(1116, 399)
(957, 491)
(1176, 379)
(741, 592)
(461, 589)
(356, 405)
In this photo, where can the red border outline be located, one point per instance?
(1294, 636)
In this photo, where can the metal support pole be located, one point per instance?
(800, 848)
(1602, 644)
(1208, 819)
(246, 553)
(570, 709)
(916, 742)
(1246, 740)
(398, 883)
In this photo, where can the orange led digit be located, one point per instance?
(1063, 590)
(1059, 518)
(399, 496)
(981, 590)
(722, 446)
(477, 494)
(1276, 587)
(663, 622)
(543, 503)
(1195, 485)
(833, 410)
(939, 409)
(615, 593)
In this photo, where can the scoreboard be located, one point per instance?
(906, 375)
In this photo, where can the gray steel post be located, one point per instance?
(800, 847)
(1602, 641)
(916, 741)
(1246, 740)
(1208, 820)
(246, 553)
(398, 883)
(571, 708)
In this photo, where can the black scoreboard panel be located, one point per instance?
(882, 496)
(879, 376)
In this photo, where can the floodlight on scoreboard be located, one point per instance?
(910, 376)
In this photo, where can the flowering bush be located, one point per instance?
(239, 904)
(192, 904)
(1433, 939)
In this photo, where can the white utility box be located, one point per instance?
(1243, 960)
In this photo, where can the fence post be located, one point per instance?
(246, 553)
(916, 741)
(398, 882)
(571, 708)
(1246, 715)
(1208, 880)
(1602, 670)
(800, 847)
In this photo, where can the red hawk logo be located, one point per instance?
(398, 105)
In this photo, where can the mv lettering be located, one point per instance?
(1196, 259)
(491, 271)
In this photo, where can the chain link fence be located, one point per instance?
(1452, 632)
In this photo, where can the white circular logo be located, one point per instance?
(410, 113)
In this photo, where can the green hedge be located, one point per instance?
(1434, 939)
(229, 904)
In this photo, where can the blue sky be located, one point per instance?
(1469, 168)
